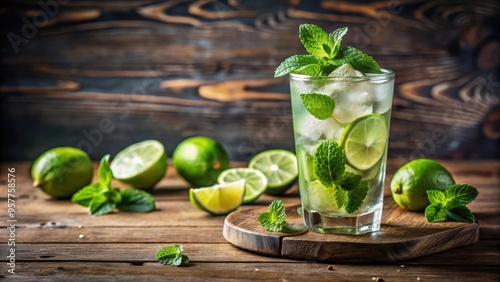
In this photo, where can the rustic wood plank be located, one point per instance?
(145, 234)
(479, 254)
(264, 271)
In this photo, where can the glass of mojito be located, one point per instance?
(341, 107)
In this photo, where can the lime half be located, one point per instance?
(280, 168)
(141, 165)
(219, 199)
(255, 181)
(364, 141)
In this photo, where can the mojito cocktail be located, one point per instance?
(341, 106)
(359, 125)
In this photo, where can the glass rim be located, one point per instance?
(386, 74)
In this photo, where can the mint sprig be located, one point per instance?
(325, 54)
(172, 255)
(101, 199)
(329, 167)
(450, 204)
(274, 219)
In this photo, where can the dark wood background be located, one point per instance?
(101, 74)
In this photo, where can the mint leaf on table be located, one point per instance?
(450, 204)
(84, 196)
(319, 105)
(461, 214)
(101, 199)
(172, 255)
(100, 205)
(329, 162)
(104, 172)
(325, 54)
(459, 195)
(293, 63)
(134, 200)
(274, 219)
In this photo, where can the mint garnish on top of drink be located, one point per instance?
(325, 54)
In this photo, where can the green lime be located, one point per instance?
(61, 171)
(141, 165)
(255, 181)
(280, 168)
(410, 183)
(219, 199)
(364, 141)
(200, 160)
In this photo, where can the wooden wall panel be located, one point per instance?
(101, 75)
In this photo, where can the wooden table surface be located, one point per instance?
(59, 241)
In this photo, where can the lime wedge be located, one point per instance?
(279, 167)
(364, 141)
(219, 199)
(141, 165)
(255, 181)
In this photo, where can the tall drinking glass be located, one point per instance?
(359, 125)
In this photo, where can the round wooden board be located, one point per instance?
(403, 235)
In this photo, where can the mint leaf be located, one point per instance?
(312, 69)
(435, 213)
(274, 219)
(319, 105)
(316, 40)
(459, 195)
(134, 200)
(436, 197)
(329, 162)
(100, 205)
(172, 255)
(357, 59)
(104, 172)
(450, 203)
(349, 181)
(84, 196)
(356, 197)
(295, 62)
(336, 38)
(462, 214)
(114, 195)
(340, 197)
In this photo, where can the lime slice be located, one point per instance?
(219, 199)
(141, 165)
(280, 168)
(255, 181)
(364, 141)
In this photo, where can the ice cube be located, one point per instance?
(314, 129)
(344, 70)
(383, 96)
(355, 101)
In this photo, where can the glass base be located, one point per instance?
(342, 224)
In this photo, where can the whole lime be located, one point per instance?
(61, 171)
(410, 183)
(200, 160)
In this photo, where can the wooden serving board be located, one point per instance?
(403, 235)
